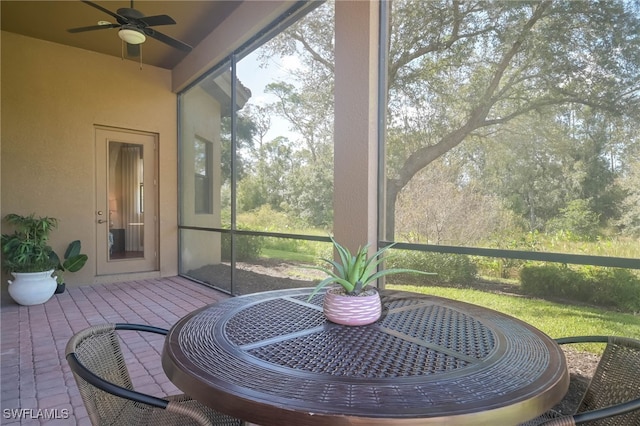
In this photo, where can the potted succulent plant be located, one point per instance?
(73, 261)
(28, 257)
(354, 301)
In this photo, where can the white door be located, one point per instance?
(126, 201)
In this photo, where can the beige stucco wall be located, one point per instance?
(52, 96)
(200, 119)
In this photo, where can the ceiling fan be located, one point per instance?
(134, 28)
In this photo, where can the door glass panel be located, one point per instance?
(126, 201)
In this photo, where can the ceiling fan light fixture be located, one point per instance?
(131, 36)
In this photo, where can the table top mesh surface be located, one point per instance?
(426, 356)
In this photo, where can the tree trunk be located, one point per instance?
(477, 119)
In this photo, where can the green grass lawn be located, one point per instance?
(555, 319)
(290, 256)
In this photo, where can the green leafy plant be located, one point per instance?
(247, 247)
(355, 271)
(73, 260)
(451, 268)
(601, 286)
(27, 249)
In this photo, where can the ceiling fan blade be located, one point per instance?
(167, 40)
(93, 28)
(97, 6)
(156, 20)
(133, 50)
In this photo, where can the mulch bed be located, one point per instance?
(265, 275)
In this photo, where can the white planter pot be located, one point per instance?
(351, 310)
(32, 288)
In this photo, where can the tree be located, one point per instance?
(540, 163)
(308, 192)
(293, 179)
(629, 221)
(578, 219)
(246, 129)
(464, 70)
(449, 211)
(476, 66)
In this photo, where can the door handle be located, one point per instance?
(101, 221)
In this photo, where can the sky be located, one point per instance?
(256, 78)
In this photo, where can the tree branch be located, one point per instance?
(316, 56)
(438, 46)
(511, 53)
(425, 155)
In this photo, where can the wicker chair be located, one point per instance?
(613, 395)
(99, 369)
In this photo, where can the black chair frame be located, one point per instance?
(602, 413)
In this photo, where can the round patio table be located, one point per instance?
(273, 359)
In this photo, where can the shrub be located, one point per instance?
(247, 247)
(450, 268)
(285, 244)
(498, 267)
(576, 221)
(605, 287)
(266, 219)
(615, 287)
(549, 281)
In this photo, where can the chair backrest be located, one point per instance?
(98, 349)
(616, 380)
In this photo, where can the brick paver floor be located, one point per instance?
(36, 382)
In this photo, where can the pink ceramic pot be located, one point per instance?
(352, 310)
